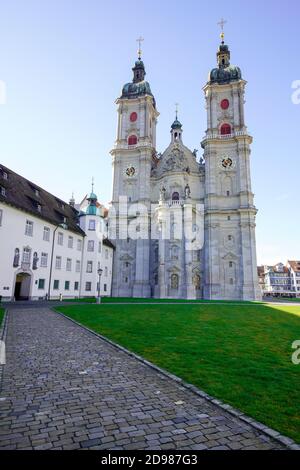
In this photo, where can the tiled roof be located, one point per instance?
(29, 197)
(108, 243)
(295, 265)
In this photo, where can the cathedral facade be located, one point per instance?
(184, 225)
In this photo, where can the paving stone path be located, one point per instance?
(64, 388)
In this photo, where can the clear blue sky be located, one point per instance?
(64, 63)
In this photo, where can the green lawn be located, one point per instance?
(238, 353)
(108, 300)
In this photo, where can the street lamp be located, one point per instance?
(100, 271)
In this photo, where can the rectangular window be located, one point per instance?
(46, 234)
(106, 253)
(78, 266)
(92, 225)
(26, 255)
(99, 247)
(29, 228)
(70, 242)
(60, 238)
(76, 285)
(67, 285)
(44, 260)
(79, 244)
(90, 245)
(105, 287)
(41, 284)
(56, 284)
(1, 215)
(2, 191)
(105, 271)
(69, 264)
(88, 286)
(58, 262)
(89, 267)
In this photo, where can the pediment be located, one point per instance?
(174, 269)
(126, 257)
(177, 158)
(230, 256)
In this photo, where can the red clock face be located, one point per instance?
(224, 104)
(133, 117)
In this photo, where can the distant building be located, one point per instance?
(294, 269)
(261, 278)
(280, 280)
(49, 248)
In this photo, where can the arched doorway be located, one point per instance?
(22, 286)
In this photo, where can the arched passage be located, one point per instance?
(22, 286)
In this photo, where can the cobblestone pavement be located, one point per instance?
(64, 388)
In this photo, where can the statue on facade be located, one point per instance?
(35, 260)
(174, 281)
(163, 194)
(187, 191)
(16, 258)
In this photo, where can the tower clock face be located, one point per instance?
(130, 171)
(133, 117)
(227, 162)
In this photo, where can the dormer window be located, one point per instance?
(3, 173)
(2, 191)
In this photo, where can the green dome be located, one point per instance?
(92, 196)
(132, 90)
(225, 75)
(139, 86)
(176, 124)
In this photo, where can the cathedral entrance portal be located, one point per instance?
(22, 286)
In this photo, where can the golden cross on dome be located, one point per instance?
(92, 184)
(140, 40)
(221, 23)
(176, 109)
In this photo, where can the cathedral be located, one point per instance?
(156, 196)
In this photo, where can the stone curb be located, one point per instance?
(3, 331)
(275, 435)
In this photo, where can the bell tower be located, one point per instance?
(131, 160)
(230, 246)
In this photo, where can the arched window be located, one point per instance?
(175, 196)
(225, 129)
(132, 140)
